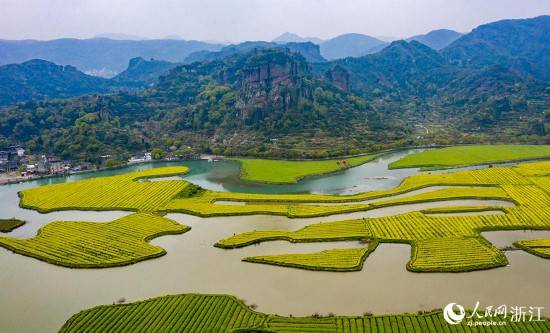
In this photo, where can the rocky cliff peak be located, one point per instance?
(339, 77)
(270, 79)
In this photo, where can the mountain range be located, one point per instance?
(267, 99)
(437, 39)
(40, 79)
(357, 45)
(288, 37)
(99, 55)
(308, 50)
(107, 55)
(520, 45)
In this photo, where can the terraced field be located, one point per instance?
(538, 247)
(95, 245)
(288, 172)
(439, 243)
(222, 313)
(470, 155)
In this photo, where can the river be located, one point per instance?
(40, 297)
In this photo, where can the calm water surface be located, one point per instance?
(39, 297)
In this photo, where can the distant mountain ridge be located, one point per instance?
(308, 50)
(349, 45)
(521, 45)
(141, 72)
(342, 46)
(437, 39)
(99, 54)
(288, 37)
(357, 45)
(119, 36)
(39, 79)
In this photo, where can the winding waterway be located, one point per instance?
(40, 297)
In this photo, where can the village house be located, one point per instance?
(11, 158)
(51, 165)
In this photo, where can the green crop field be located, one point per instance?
(538, 247)
(226, 314)
(7, 225)
(444, 243)
(471, 155)
(284, 172)
(94, 244)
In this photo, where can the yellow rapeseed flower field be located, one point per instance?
(444, 242)
(439, 242)
(95, 244)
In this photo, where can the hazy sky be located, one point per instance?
(237, 20)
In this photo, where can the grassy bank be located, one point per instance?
(288, 172)
(471, 155)
(7, 225)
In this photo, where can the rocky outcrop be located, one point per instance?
(310, 51)
(339, 77)
(272, 79)
(141, 72)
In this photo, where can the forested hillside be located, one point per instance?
(272, 101)
(39, 79)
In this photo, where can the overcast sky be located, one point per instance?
(237, 20)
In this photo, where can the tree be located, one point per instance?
(158, 154)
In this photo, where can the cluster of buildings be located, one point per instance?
(47, 165)
(12, 158)
(174, 156)
(139, 159)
